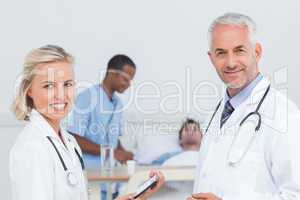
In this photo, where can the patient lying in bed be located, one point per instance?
(190, 136)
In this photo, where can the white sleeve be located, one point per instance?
(285, 168)
(32, 172)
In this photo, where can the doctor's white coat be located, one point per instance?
(35, 170)
(270, 170)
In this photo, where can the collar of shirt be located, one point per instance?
(239, 98)
(113, 99)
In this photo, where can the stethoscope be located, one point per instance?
(71, 175)
(234, 162)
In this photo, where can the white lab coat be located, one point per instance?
(35, 170)
(270, 169)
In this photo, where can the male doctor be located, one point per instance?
(252, 158)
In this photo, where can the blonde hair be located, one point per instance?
(23, 104)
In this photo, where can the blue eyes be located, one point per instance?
(50, 86)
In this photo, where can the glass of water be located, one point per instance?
(107, 157)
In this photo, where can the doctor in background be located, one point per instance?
(246, 151)
(46, 161)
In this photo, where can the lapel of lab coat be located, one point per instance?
(42, 124)
(217, 142)
(242, 138)
(47, 130)
(226, 133)
(249, 105)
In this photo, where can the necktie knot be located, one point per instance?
(228, 110)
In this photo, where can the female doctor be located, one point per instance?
(45, 161)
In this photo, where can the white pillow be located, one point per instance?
(152, 146)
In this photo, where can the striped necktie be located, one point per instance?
(228, 110)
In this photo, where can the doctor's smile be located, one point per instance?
(58, 106)
(232, 74)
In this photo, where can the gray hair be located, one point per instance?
(234, 19)
(22, 104)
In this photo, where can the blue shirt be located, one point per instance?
(164, 157)
(96, 117)
(240, 97)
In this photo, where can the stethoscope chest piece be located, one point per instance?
(72, 178)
